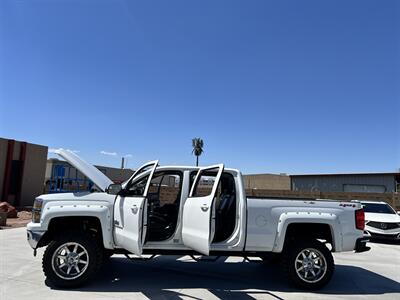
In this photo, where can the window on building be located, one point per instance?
(364, 188)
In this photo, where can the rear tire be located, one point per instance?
(72, 260)
(308, 264)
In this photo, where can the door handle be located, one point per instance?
(204, 207)
(134, 209)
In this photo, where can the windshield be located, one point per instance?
(378, 208)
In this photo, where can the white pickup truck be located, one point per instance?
(188, 211)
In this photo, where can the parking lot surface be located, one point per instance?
(370, 275)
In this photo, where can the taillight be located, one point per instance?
(360, 219)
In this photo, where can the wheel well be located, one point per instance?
(76, 223)
(309, 231)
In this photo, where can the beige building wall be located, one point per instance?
(34, 172)
(267, 181)
(31, 171)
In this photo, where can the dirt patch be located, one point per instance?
(23, 218)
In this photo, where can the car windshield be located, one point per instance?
(378, 208)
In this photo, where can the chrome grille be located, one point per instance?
(383, 225)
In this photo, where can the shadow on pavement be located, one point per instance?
(157, 277)
(384, 241)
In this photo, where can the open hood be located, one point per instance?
(90, 171)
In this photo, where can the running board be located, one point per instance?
(140, 258)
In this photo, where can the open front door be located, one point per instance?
(130, 210)
(199, 210)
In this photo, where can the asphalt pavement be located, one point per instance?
(370, 275)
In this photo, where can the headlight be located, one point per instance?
(37, 210)
(37, 204)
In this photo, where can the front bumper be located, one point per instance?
(34, 237)
(392, 237)
(389, 234)
(361, 245)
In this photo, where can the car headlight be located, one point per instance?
(38, 203)
(37, 210)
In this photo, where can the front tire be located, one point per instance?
(72, 260)
(308, 264)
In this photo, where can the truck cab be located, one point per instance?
(180, 208)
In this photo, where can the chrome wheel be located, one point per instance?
(310, 265)
(70, 260)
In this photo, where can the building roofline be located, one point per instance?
(273, 174)
(259, 174)
(346, 174)
(19, 141)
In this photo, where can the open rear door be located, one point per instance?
(130, 210)
(199, 209)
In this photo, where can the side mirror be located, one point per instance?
(398, 212)
(114, 189)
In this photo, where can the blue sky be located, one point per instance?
(271, 86)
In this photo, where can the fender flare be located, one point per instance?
(288, 218)
(99, 210)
